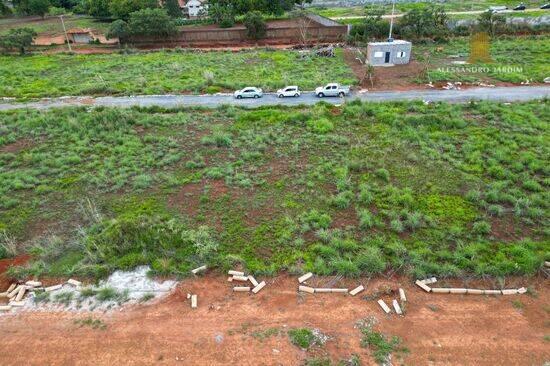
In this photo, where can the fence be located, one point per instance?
(299, 30)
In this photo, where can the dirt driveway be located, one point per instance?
(229, 329)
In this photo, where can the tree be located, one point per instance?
(151, 22)
(33, 7)
(20, 38)
(121, 9)
(490, 22)
(222, 14)
(98, 8)
(4, 9)
(118, 29)
(173, 8)
(372, 27)
(428, 22)
(255, 25)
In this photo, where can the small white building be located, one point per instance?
(389, 53)
(195, 8)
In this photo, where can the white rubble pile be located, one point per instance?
(128, 287)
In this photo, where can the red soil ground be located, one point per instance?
(437, 329)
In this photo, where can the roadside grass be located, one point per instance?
(441, 189)
(176, 71)
(381, 346)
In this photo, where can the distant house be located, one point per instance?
(389, 53)
(194, 8)
(80, 35)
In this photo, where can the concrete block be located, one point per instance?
(53, 288)
(513, 291)
(240, 278)
(305, 277)
(235, 273)
(458, 291)
(429, 281)
(74, 282)
(384, 306)
(522, 290)
(230, 279)
(14, 292)
(11, 288)
(357, 290)
(5, 307)
(397, 308)
(33, 283)
(547, 264)
(402, 295)
(423, 286)
(306, 289)
(199, 269)
(258, 287)
(194, 301)
(441, 290)
(339, 290)
(323, 290)
(18, 304)
(253, 281)
(241, 289)
(492, 292)
(473, 291)
(21, 293)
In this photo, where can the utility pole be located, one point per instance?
(65, 31)
(391, 21)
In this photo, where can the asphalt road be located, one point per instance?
(501, 94)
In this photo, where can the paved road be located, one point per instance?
(470, 12)
(501, 94)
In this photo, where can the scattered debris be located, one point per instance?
(402, 295)
(526, 82)
(452, 86)
(53, 288)
(325, 51)
(33, 283)
(305, 277)
(460, 62)
(199, 269)
(357, 290)
(384, 307)
(429, 281)
(397, 308)
(430, 85)
(547, 81)
(241, 276)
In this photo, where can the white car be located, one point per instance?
(332, 90)
(289, 91)
(249, 92)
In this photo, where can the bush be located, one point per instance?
(321, 125)
(301, 337)
(19, 39)
(481, 228)
(371, 261)
(122, 9)
(256, 27)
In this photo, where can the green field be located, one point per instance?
(52, 25)
(442, 189)
(162, 72)
(403, 7)
(515, 59)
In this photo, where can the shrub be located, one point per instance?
(151, 22)
(342, 200)
(320, 126)
(383, 174)
(366, 219)
(481, 227)
(346, 268)
(123, 9)
(301, 337)
(371, 261)
(256, 27)
(19, 39)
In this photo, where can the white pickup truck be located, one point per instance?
(332, 90)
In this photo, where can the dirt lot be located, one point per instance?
(437, 329)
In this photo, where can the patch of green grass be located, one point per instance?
(381, 347)
(261, 335)
(166, 72)
(301, 337)
(91, 322)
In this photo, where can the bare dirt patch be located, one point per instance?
(16, 146)
(437, 329)
(187, 199)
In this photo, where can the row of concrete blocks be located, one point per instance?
(311, 290)
(469, 291)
